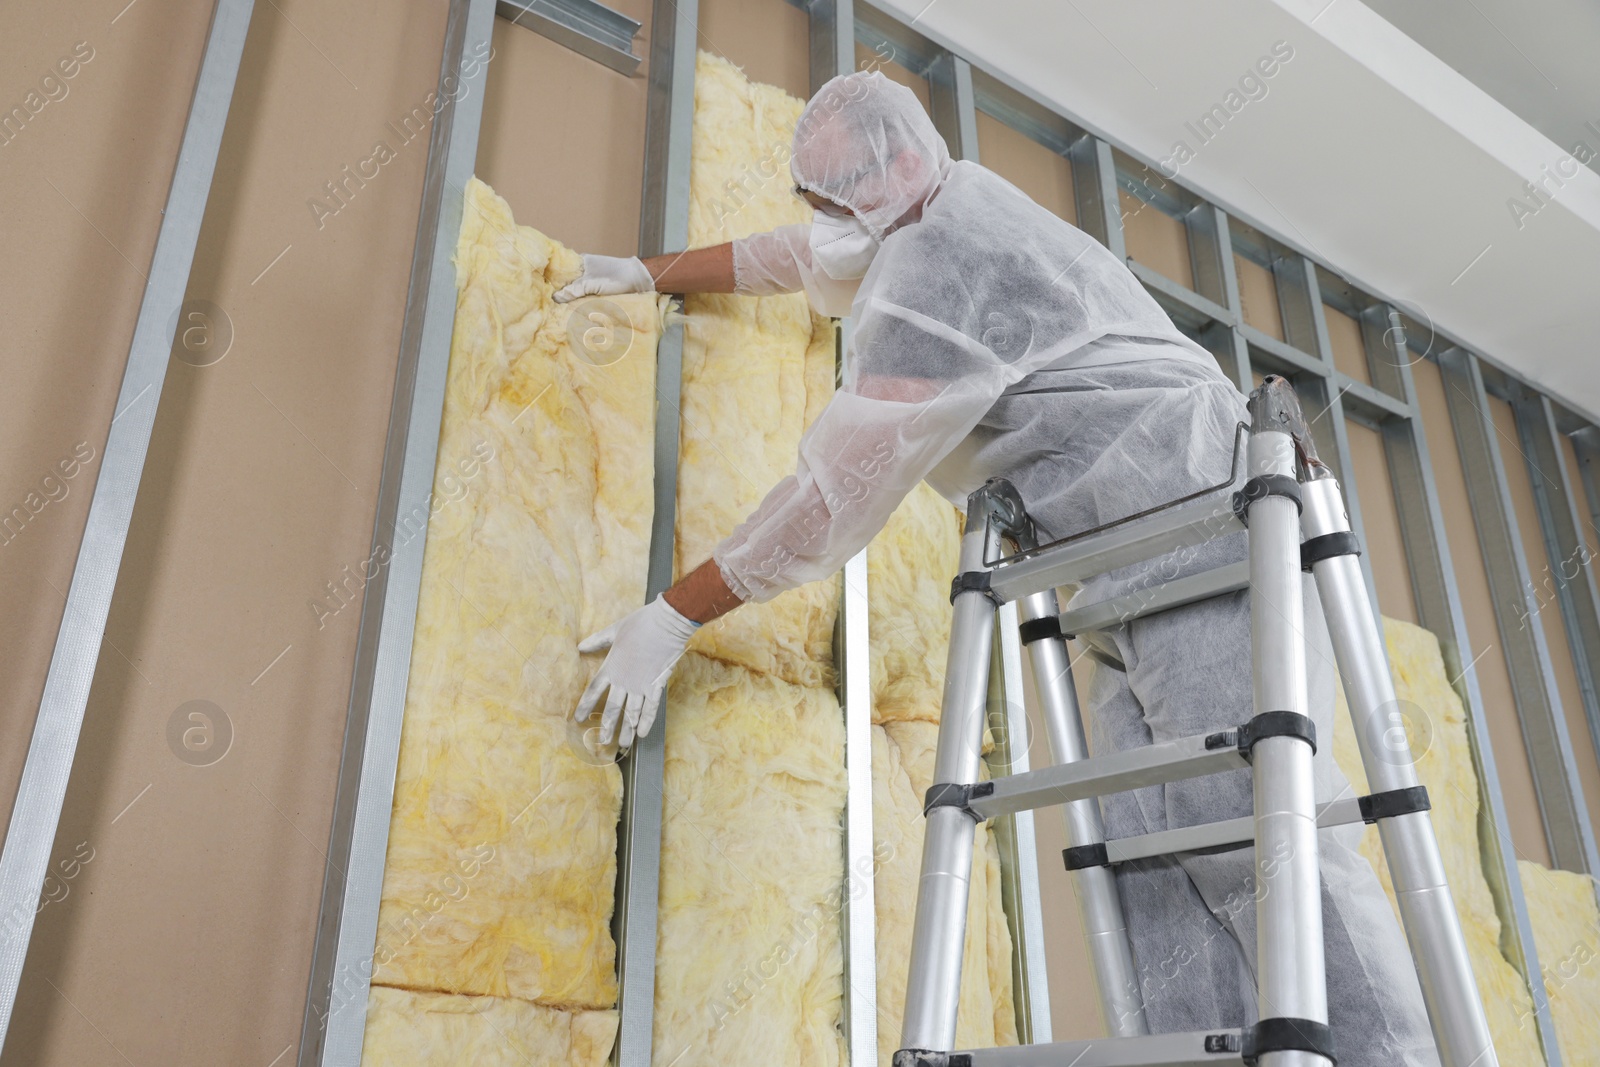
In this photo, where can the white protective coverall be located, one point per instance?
(992, 338)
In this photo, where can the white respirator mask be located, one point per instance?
(841, 246)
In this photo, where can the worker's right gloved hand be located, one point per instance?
(608, 276)
(643, 647)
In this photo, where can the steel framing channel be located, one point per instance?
(1560, 524)
(584, 26)
(345, 952)
(1544, 728)
(663, 227)
(42, 789)
(954, 111)
(1094, 190)
(1440, 609)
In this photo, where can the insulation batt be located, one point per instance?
(1566, 930)
(748, 959)
(1439, 739)
(502, 849)
(756, 371)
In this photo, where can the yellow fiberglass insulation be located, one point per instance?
(407, 1028)
(1439, 739)
(502, 850)
(756, 371)
(910, 565)
(1566, 931)
(748, 958)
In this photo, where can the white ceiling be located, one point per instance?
(1367, 150)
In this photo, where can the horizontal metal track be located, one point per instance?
(588, 28)
(1168, 761)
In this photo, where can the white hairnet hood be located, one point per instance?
(864, 142)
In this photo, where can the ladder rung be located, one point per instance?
(1241, 831)
(1169, 761)
(1105, 613)
(1074, 560)
(1157, 1050)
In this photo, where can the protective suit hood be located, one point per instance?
(865, 142)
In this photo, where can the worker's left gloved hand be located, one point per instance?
(644, 644)
(608, 276)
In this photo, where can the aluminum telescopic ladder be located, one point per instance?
(1295, 515)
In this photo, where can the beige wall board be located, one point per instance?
(1030, 166)
(86, 179)
(541, 94)
(1258, 296)
(185, 934)
(1349, 351)
(768, 39)
(1544, 575)
(1380, 521)
(1156, 239)
(1486, 654)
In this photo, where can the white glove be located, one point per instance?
(608, 276)
(644, 644)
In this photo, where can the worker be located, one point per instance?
(992, 338)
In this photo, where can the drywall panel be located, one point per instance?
(85, 179)
(1030, 166)
(1156, 239)
(183, 935)
(769, 39)
(1380, 519)
(1349, 350)
(1258, 296)
(1545, 574)
(541, 94)
(1486, 654)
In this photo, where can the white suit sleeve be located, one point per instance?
(910, 397)
(772, 262)
(779, 261)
